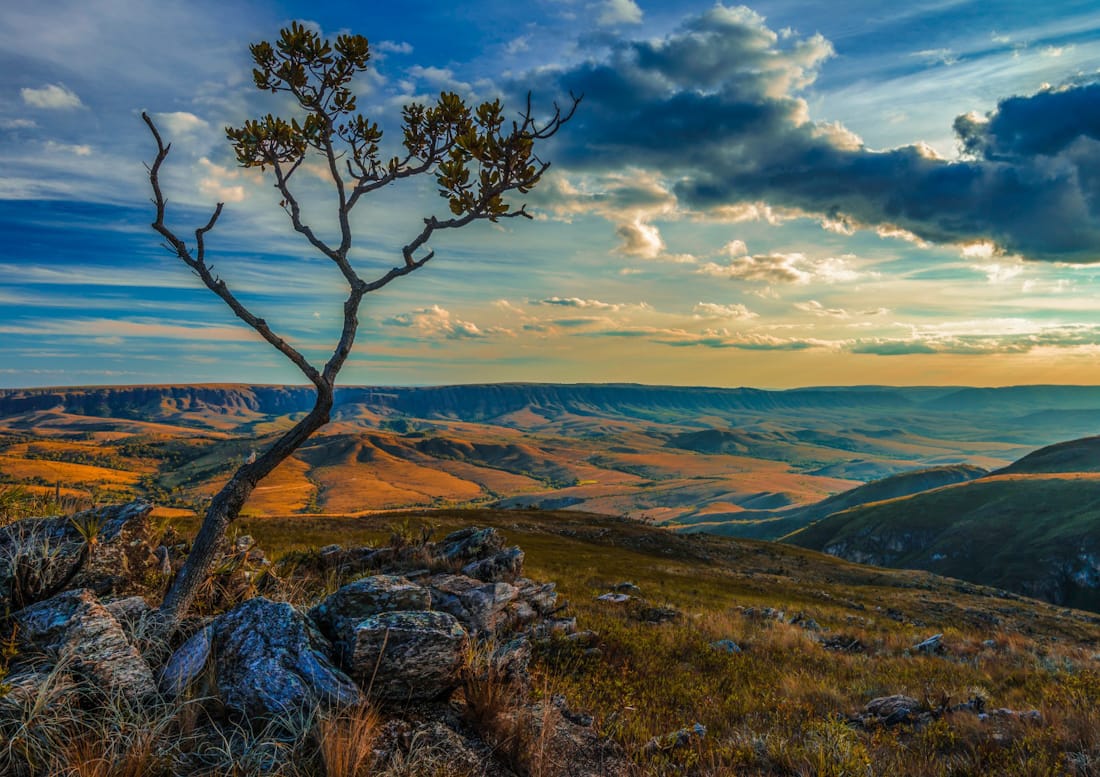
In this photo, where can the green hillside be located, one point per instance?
(817, 638)
(1072, 456)
(1034, 534)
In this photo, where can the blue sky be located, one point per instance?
(785, 194)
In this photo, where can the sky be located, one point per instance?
(784, 194)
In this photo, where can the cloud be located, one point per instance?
(180, 123)
(727, 88)
(392, 47)
(983, 338)
(76, 149)
(51, 97)
(437, 322)
(711, 310)
(576, 302)
(516, 45)
(614, 12)
(15, 124)
(817, 309)
(778, 267)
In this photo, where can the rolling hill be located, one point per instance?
(1032, 527)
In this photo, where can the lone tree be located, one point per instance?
(476, 156)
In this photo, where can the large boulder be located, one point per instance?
(73, 628)
(38, 556)
(483, 608)
(340, 612)
(407, 656)
(261, 659)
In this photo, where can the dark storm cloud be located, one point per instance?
(714, 107)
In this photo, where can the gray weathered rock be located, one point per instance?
(614, 598)
(266, 659)
(40, 555)
(892, 709)
(505, 566)
(726, 646)
(483, 608)
(74, 628)
(469, 543)
(339, 613)
(541, 596)
(933, 644)
(187, 665)
(410, 656)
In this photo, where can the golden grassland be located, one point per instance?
(778, 706)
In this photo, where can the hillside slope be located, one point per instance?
(814, 639)
(1034, 534)
(771, 525)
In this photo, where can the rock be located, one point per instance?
(989, 643)
(483, 608)
(891, 710)
(542, 597)
(468, 544)
(675, 739)
(1033, 716)
(187, 665)
(584, 638)
(627, 588)
(339, 613)
(505, 566)
(266, 659)
(130, 613)
(407, 656)
(75, 628)
(614, 598)
(655, 614)
(512, 658)
(726, 646)
(933, 644)
(40, 555)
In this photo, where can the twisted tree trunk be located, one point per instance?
(226, 506)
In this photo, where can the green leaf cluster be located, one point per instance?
(475, 155)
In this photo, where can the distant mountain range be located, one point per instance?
(481, 402)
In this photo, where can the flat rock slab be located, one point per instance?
(407, 656)
(73, 627)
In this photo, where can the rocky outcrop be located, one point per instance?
(103, 550)
(75, 630)
(264, 659)
(341, 612)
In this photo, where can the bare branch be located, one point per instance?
(198, 264)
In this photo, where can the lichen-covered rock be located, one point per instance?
(481, 607)
(73, 627)
(339, 613)
(266, 659)
(541, 596)
(505, 566)
(40, 555)
(407, 656)
(130, 613)
(469, 543)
